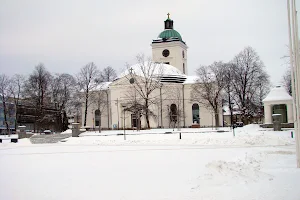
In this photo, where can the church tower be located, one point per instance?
(169, 47)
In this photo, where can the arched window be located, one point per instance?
(173, 113)
(183, 68)
(195, 113)
(97, 117)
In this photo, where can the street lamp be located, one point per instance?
(231, 113)
(93, 119)
(223, 100)
(124, 121)
(161, 117)
(117, 104)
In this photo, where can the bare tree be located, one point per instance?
(208, 88)
(175, 110)
(261, 92)
(4, 92)
(100, 100)
(37, 92)
(135, 104)
(145, 79)
(15, 87)
(287, 81)
(88, 79)
(228, 89)
(108, 74)
(37, 86)
(74, 105)
(249, 75)
(62, 88)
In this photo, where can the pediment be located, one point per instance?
(125, 80)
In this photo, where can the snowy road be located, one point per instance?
(135, 172)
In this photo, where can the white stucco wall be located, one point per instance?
(206, 116)
(105, 116)
(120, 94)
(175, 58)
(268, 108)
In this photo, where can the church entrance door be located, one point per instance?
(135, 121)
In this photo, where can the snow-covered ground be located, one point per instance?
(256, 164)
(248, 135)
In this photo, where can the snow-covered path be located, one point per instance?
(134, 172)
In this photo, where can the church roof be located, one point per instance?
(191, 79)
(102, 86)
(170, 34)
(140, 69)
(278, 93)
(167, 73)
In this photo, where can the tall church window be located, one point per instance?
(173, 113)
(97, 117)
(183, 68)
(195, 112)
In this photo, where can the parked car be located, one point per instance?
(47, 132)
(239, 124)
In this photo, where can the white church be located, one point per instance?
(169, 98)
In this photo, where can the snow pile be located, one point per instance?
(225, 173)
(67, 131)
(8, 137)
(251, 135)
(21, 142)
(155, 131)
(149, 172)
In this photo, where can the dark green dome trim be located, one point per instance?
(170, 33)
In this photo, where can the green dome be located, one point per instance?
(170, 33)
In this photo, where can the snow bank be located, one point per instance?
(21, 142)
(8, 137)
(247, 136)
(147, 173)
(67, 131)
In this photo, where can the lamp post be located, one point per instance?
(161, 117)
(93, 119)
(117, 103)
(124, 122)
(223, 100)
(231, 113)
(212, 120)
(295, 73)
(131, 81)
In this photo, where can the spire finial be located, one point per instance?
(168, 15)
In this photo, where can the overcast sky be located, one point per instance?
(67, 34)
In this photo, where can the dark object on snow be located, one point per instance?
(239, 124)
(75, 130)
(47, 132)
(15, 140)
(277, 122)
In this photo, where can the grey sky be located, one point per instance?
(65, 35)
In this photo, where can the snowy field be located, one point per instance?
(256, 164)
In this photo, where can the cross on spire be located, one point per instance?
(168, 15)
(130, 70)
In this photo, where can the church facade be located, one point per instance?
(169, 100)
